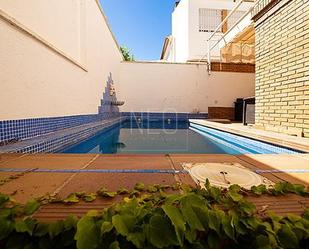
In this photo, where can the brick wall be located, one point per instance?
(282, 68)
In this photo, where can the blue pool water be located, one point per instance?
(162, 137)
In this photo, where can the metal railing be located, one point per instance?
(225, 20)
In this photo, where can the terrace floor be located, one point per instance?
(32, 184)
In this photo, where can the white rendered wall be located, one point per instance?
(166, 87)
(197, 40)
(180, 32)
(190, 43)
(39, 80)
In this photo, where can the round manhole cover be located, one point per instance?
(223, 175)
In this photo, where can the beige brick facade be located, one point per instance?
(282, 69)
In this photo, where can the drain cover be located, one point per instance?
(224, 175)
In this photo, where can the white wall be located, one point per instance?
(180, 32)
(191, 44)
(166, 87)
(55, 58)
(197, 40)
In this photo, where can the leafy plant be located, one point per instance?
(126, 53)
(152, 218)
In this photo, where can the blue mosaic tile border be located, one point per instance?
(27, 128)
(84, 127)
(164, 116)
(59, 140)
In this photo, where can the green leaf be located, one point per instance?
(70, 222)
(139, 186)
(152, 189)
(246, 207)
(41, 229)
(92, 213)
(160, 232)
(228, 226)
(300, 189)
(293, 218)
(87, 235)
(190, 235)
(137, 238)
(278, 188)
(177, 220)
(114, 245)
(202, 215)
(259, 190)
(287, 237)
(6, 227)
(106, 227)
(31, 207)
(123, 223)
(72, 198)
(134, 193)
(89, 197)
(6, 213)
(235, 196)
(25, 226)
(234, 188)
(262, 242)
(306, 214)
(187, 204)
(122, 191)
(213, 240)
(104, 193)
(3, 199)
(214, 220)
(55, 228)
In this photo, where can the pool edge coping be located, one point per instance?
(251, 135)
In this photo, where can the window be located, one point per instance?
(209, 19)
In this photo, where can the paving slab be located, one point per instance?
(34, 185)
(281, 205)
(282, 162)
(131, 162)
(91, 182)
(10, 156)
(48, 161)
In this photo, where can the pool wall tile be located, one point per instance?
(28, 128)
(12, 132)
(57, 141)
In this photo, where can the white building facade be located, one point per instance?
(193, 22)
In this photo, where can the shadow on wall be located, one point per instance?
(109, 104)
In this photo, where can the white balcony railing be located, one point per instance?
(213, 42)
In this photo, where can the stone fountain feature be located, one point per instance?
(109, 104)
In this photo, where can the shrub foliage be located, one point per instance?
(158, 217)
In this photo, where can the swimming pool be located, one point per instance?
(164, 137)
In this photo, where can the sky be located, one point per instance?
(140, 25)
